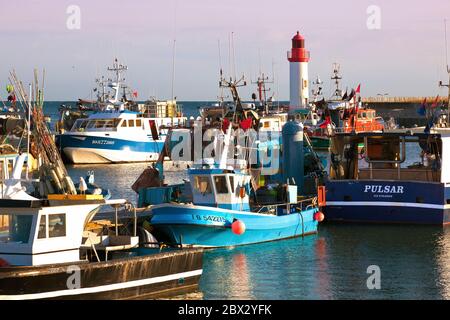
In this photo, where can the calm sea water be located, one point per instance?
(414, 261)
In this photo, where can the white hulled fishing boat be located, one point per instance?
(116, 133)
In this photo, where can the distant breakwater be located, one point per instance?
(404, 113)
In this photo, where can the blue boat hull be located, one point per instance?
(372, 201)
(92, 149)
(200, 226)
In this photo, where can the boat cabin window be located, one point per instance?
(56, 225)
(105, 124)
(99, 124)
(131, 123)
(221, 184)
(111, 123)
(6, 167)
(91, 124)
(383, 149)
(16, 229)
(138, 123)
(124, 123)
(202, 184)
(79, 124)
(42, 232)
(232, 184)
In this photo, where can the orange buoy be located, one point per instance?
(242, 192)
(319, 216)
(238, 227)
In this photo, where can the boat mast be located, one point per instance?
(448, 72)
(262, 90)
(336, 77)
(221, 97)
(173, 81)
(117, 68)
(448, 96)
(233, 85)
(317, 92)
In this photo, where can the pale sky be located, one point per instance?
(405, 57)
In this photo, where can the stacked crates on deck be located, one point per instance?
(161, 109)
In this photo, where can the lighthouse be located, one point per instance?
(298, 74)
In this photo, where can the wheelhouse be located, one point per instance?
(123, 121)
(225, 189)
(403, 156)
(38, 235)
(37, 232)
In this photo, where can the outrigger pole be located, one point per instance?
(448, 72)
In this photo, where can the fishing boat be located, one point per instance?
(116, 136)
(116, 132)
(399, 176)
(343, 112)
(224, 204)
(221, 216)
(49, 250)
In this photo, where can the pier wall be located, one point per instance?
(402, 109)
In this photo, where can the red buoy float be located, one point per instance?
(238, 227)
(319, 216)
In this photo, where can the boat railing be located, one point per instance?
(363, 128)
(339, 130)
(304, 204)
(116, 241)
(94, 129)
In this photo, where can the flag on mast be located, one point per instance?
(325, 123)
(435, 103)
(423, 108)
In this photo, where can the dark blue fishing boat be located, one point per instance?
(400, 176)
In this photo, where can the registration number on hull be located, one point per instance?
(103, 142)
(199, 217)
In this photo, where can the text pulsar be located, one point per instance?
(383, 189)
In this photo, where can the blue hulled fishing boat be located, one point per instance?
(220, 214)
(120, 130)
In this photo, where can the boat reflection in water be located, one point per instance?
(413, 264)
(443, 263)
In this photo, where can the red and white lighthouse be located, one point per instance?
(298, 73)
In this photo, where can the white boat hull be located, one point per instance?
(94, 156)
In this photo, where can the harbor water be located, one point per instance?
(337, 263)
(414, 261)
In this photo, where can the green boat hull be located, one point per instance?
(320, 143)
